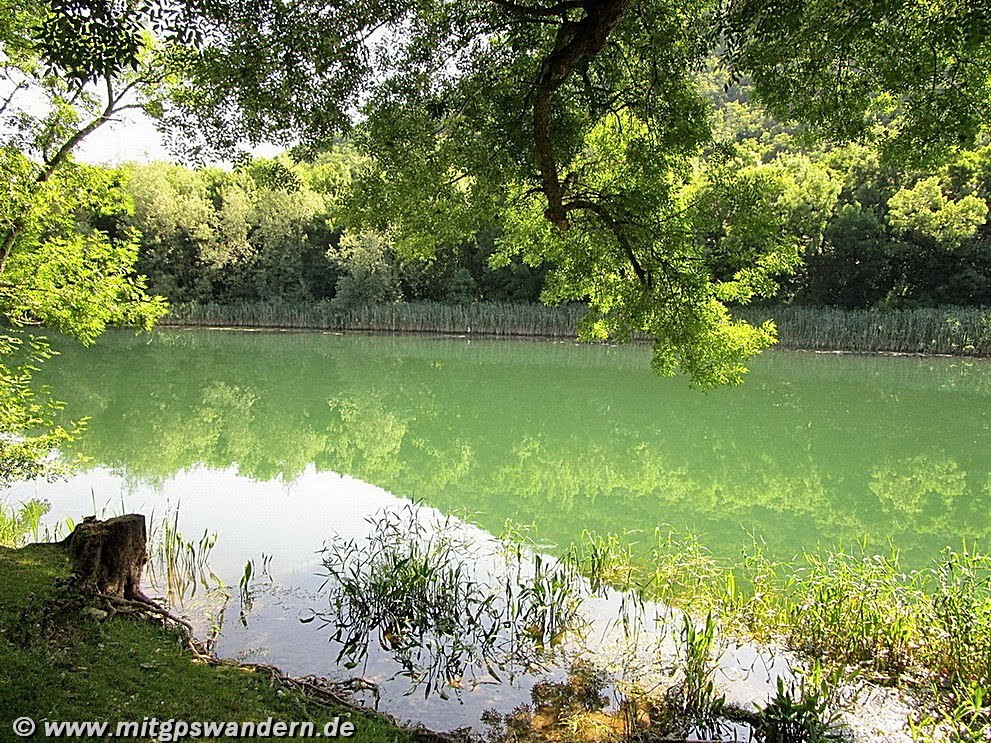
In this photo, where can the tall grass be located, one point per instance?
(946, 330)
(487, 318)
(21, 522)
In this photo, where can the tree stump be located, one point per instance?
(108, 557)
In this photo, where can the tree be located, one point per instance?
(577, 125)
(369, 275)
(924, 210)
(65, 261)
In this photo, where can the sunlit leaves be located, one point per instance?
(924, 209)
(90, 38)
(61, 271)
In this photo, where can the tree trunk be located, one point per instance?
(109, 556)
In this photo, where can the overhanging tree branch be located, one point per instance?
(576, 42)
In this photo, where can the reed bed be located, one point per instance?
(486, 318)
(962, 331)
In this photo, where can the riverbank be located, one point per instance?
(960, 331)
(63, 661)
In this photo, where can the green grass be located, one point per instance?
(947, 330)
(56, 664)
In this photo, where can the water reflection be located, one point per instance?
(451, 610)
(812, 449)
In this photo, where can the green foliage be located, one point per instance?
(695, 700)
(274, 232)
(802, 711)
(18, 523)
(578, 131)
(847, 68)
(370, 277)
(66, 258)
(69, 266)
(925, 210)
(860, 232)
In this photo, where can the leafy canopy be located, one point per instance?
(579, 128)
(66, 69)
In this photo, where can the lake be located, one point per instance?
(279, 441)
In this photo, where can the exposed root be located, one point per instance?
(141, 605)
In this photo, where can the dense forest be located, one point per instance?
(876, 234)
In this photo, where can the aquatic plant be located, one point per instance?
(692, 706)
(965, 718)
(928, 630)
(18, 523)
(949, 330)
(246, 587)
(486, 318)
(802, 710)
(428, 593)
(179, 565)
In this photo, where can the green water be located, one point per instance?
(812, 449)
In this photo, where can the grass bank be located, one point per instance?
(947, 330)
(58, 663)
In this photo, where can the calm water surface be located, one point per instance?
(811, 449)
(279, 441)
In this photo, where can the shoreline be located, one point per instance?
(512, 336)
(130, 657)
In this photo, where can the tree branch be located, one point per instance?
(576, 43)
(560, 8)
(7, 101)
(52, 163)
(615, 226)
